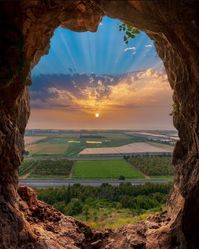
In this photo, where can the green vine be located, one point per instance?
(129, 32)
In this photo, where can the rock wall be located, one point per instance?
(25, 30)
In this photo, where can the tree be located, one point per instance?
(67, 197)
(126, 157)
(121, 178)
(74, 207)
(60, 206)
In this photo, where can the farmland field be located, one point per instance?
(47, 148)
(33, 139)
(45, 169)
(105, 169)
(158, 166)
(69, 145)
(141, 147)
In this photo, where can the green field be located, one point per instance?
(104, 169)
(45, 169)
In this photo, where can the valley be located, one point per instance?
(104, 178)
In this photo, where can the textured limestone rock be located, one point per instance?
(51, 229)
(25, 31)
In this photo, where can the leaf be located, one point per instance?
(136, 31)
(129, 32)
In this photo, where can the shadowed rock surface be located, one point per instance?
(25, 30)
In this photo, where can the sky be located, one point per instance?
(96, 81)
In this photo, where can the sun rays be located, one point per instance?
(103, 52)
(94, 78)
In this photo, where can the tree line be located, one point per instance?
(74, 200)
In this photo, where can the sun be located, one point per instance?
(97, 115)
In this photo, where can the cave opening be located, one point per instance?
(23, 43)
(84, 75)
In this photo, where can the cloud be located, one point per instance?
(143, 89)
(105, 93)
(148, 46)
(129, 49)
(61, 90)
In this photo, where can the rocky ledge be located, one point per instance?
(39, 226)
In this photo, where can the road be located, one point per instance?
(66, 182)
(75, 158)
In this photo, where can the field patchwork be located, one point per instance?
(70, 145)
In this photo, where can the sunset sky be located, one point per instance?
(96, 81)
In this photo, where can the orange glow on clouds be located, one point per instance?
(139, 101)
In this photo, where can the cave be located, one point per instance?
(25, 30)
